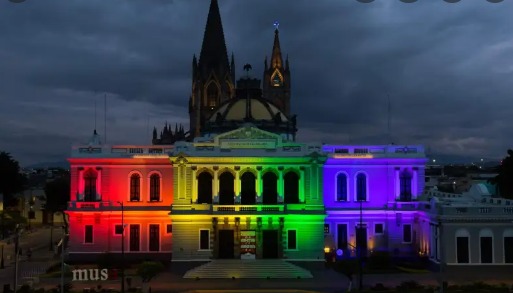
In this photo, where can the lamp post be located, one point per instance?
(62, 257)
(16, 256)
(442, 257)
(122, 247)
(359, 243)
(50, 247)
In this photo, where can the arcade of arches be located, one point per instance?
(247, 186)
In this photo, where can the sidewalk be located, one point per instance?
(38, 240)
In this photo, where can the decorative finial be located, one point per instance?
(276, 24)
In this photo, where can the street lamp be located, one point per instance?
(359, 243)
(122, 247)
(16, 255)
(62, 257)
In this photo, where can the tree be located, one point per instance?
(57, 196)
(149, 270)
(12, 180)
(503, 181)
(348, 268)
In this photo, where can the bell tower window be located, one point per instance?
(277, 79)
(212, 95)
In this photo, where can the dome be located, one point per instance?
(256, 111)
(260, 109)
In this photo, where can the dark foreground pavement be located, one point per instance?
(323, 281)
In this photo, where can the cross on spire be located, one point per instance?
(276, 24)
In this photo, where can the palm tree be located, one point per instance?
(503, 181)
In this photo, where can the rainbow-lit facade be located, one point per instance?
(247, 180)
(238, 185)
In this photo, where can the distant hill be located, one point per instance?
(44, 165)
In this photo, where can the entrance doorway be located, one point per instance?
(226, 243)
(270, 243)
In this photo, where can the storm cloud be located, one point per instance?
(444, 68)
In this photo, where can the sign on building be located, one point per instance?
(248, 244)
(80, 275)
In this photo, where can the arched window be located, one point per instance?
(486, 246)
(226, 188)
(291, 187)
(205, 187)
(341, 187)
(212, 95)
(135, 187)
(361, 187)
(155, 187)
(462, 246)
(405, 185)
(248, 188)
(90, 178)
(270, 188)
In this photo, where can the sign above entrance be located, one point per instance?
(247, 244)
(248, 144)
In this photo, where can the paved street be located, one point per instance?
(38, 241)
(324, 281)
(172, 281)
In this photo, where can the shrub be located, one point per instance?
(379, 287)
(409, 286)
(379, 260)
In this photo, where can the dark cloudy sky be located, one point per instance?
(447, 68)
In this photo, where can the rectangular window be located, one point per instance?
(486, 245)
(204, 240)
(342, 236)
(169, 229)
(508, 249)
(407, 233)
(118, 230)
(291, 239)
(135, 234)
(326, 228)
(462, 250)
(154, 244)
(378, 229)
(88, 234)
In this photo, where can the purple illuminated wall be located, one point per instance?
(386, 219)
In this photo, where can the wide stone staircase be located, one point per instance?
(248, 269)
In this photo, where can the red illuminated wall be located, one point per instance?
(103, 215)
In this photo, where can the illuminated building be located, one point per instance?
(105, 177)
(247, 179)
(377, 186)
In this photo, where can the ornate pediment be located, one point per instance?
(248, 138)
(248, 133)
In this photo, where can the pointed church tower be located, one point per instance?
(276, 85)
(213, 77)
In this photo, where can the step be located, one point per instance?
(248, 269)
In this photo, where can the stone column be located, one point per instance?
(259, 185)
(281, 186)
(414, 183)
(215, 186)
(302, 189)
(98, 195)
(80, 185)
(397, 182)
(194, 187)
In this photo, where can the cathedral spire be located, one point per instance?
(276, 59)
(213, 51)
